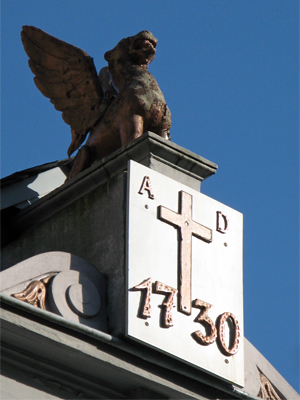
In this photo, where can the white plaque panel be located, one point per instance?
(153, 251)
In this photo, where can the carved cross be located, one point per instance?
(187, 227)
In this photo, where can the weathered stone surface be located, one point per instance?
(93, 228)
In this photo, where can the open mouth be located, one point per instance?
(147, 45)
(142, 49)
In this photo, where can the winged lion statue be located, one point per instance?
(114, 107)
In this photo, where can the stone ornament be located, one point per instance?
(81, 297)
(60, 283)
(267, 390)
(35, 292)
(118, 105)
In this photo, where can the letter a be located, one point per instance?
(147, 185)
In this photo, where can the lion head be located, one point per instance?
(138, 49)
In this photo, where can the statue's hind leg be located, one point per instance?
(83, 159)
(131, 128)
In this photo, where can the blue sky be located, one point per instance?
(229, 72)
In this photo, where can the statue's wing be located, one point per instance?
(67, 75)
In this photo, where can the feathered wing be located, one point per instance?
(67, 75)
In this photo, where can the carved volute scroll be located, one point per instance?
(60, 283)
(74, 295)
(267, 390)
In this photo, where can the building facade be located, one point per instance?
(112, 286)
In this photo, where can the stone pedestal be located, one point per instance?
(87, 216)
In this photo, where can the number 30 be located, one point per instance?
(211, 338)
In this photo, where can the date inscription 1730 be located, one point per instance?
(187, 227)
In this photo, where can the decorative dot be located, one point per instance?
(226, 361)
(225, 244)
(147, 323)
(146, 206)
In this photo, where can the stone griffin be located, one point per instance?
(114, 107)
